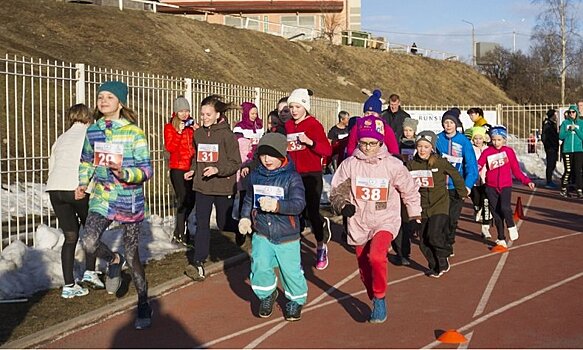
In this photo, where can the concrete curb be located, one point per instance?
(122, 305)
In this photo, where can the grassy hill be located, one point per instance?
(173, 45)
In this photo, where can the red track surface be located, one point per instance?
(530, 297)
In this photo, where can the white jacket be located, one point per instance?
(65, 157)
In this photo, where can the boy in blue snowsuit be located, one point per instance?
(275, 198)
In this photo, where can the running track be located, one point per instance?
(530, 297)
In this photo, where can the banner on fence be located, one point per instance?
(431, 120)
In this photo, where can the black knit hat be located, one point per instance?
(452, 114)
(273, 144)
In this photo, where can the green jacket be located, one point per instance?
(571, 132)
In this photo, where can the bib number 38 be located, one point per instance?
(372, 189)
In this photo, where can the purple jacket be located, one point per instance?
(500, 165)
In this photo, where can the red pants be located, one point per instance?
(372, 263)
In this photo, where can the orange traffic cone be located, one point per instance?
(499, 249)
(518, 211)
(452, 336)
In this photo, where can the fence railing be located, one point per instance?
(35, 94)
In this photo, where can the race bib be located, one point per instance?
(342, 136)
(266, 191)
(254, 141)
(105, 152)
(207, 153)
(453, 160)
(372, 189)
(497, 160)
(293, 142)
(423, 178)
(407, 154)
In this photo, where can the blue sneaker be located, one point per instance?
(144, 319)
(293, 311)
(379, 311)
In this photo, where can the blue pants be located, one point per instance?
(265, 256)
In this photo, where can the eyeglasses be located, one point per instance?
(572, 111)
(371, 144)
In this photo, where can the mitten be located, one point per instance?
(348, 210)
(268, 204)
(415, 225)
(245, 226)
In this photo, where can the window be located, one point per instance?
(234, 21)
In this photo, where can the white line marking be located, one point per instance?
(509, 306)
(265, 335)
(466, 344)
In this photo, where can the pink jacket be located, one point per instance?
(500, 165)
(373, 179)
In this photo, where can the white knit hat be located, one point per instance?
(300, 96)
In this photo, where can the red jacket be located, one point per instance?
(179, 146)
(308, 159)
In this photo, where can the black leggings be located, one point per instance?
(480, 201)
(96, 225)
(313, 185)
(432, 240)
(204, 207)
(501, 209)
(552, 158)
(70, 213)
(184, 200)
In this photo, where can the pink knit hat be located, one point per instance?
(370, 126)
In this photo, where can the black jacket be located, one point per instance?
(550, 135)
(395, 120)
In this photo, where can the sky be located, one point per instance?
(439, 25)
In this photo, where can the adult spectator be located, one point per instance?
(340, 130)
(476, 115)
(395, 115)
(550, 139)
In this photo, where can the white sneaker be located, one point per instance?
(502, 243)
(513, 233)
(479, 215)
(73, 291)
(92, 278)
(486, 231)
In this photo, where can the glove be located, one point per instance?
(245, 226)
(348, 210)
(268, 204)
(415, 225)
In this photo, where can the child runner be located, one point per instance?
(275, 198)
(61, 184)
(178, 134)
(501, 163)
(478, 136)
(213, 167)
(116, 161)
(368, 188)
(571, 132)
(307, 144)
(431, 173)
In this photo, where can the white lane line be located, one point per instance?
(404, 279)
(333, 288)
(265, 335)
(466, 344)
(509, 306)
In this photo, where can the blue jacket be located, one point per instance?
(283, 226)
(460, 153)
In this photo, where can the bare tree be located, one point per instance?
(332, 22)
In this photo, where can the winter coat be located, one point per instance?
(227, 161)
(572, 138)
(390, 140)
(550, 135)
(395, 120)
(460, 153)
(284, 225)
(64, 160)
(378, 205)
(307, 159)
(408, 148)
(248, 141)
(500, 165)
(482, 174)
(179, 146)
(118, 199)
(435, 200)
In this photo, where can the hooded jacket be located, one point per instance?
(460, 153)
(550, 135)
(179, 146)
(571, 133)
(372, 214)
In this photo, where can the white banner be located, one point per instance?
(431, 120)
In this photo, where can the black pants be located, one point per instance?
(71, 213)
(552, 158)
(184, 200)
(204, 206)
(433, 239)
(402, 243)
(480, 201)
(573, 167)
(313, 185)
(578, 169)
(501, 209)
(455, 209)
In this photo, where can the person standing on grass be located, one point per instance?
(368, 189)
(307, 145)
(115, 161)
(274, 199)
(500, 163)
(178, 135)
(213, 171)
(571, 133)
(458, 150)
(550, 139)
(71, 212)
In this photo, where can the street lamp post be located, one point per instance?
(473, 42)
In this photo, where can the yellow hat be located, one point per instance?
(477, 130)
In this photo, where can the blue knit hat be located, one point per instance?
(119, 89)
(499, 130)
(374, 103)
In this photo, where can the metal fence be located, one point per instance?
(37, 94)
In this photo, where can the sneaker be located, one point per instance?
(564, 193)
(293, 311)
(92, 279)
(405, 261)
(551, 185)
(113, 276)
(322, 258)
(144, 319)
(266, 305)
(196, 271)
(478, 216)
(513, 233)
(486, 231)
(501, 243)
(326, 230)
(75, 290)
(434, 274)
(444, 265)
(379, 311)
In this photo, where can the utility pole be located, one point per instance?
(473, 42)
(563, 14)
